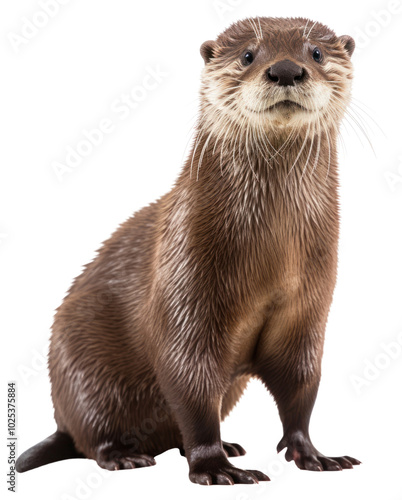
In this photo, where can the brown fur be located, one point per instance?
(229, 275)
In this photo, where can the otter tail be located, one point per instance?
(58, 446)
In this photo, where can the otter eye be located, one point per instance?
(248, 58)
(317, 55)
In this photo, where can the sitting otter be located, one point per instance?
(228, 276)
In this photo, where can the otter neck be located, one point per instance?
(243, 197)
(306, 158)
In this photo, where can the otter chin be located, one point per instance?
(282, 106)
(228, 276)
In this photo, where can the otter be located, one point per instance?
(228, 276)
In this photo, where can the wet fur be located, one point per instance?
(228, 276)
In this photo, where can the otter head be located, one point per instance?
(276, 74)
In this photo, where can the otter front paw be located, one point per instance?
(233, 449)
(218, 470)
(306, 457)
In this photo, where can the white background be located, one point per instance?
(65, 79)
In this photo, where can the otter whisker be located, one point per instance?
(248, 154)
(309, 154)
(235, 144)
(261, 133)
(198, 139)
(190, 136)
(301, 150)
(260, 140)
(357, 103)
(329, 152)
(318, 150)
(308, 34)
(305, 27)
(238, 80)
(348, 114)
(228, 129)
(259, 24)
(253, 25)
(202, 153)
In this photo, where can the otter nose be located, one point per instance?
(285, 73)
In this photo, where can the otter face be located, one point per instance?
(276, 74)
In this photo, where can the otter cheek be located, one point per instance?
(321, 98)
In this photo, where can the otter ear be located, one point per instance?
(348, 43)
(207, 50)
